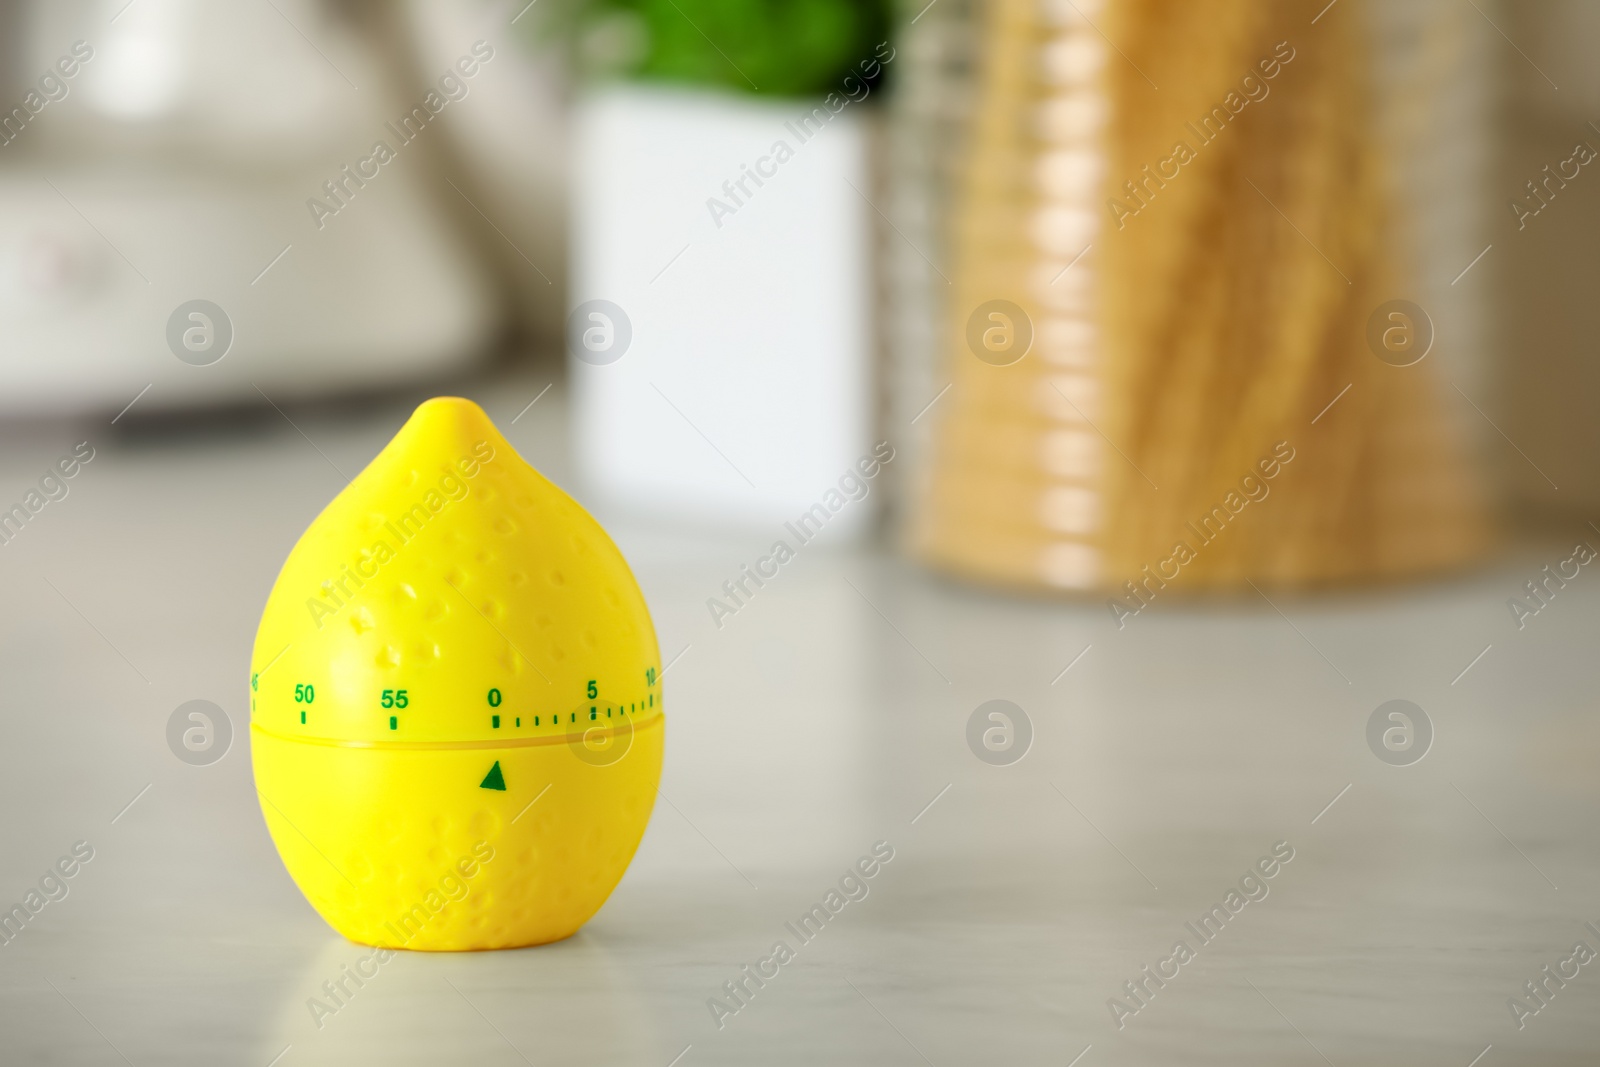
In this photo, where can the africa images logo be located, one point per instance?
(411, 522)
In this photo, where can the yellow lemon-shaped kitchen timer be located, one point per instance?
(456, 722)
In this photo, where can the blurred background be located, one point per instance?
(605, 152)
(1305, 288)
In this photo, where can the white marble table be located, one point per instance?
(828, 715)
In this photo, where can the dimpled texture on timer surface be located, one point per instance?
(509, 585)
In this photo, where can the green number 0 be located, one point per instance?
(494, 698)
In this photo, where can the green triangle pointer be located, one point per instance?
(494, 779)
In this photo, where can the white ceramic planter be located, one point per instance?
(734, 236)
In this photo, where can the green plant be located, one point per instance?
(777, 47)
